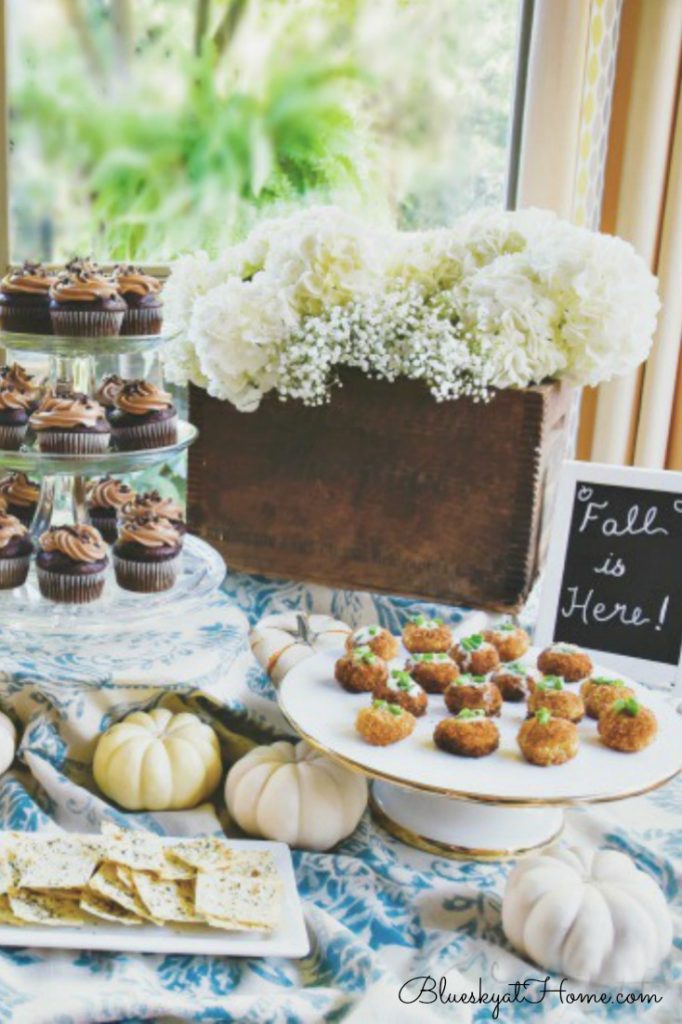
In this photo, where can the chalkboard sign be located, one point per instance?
(614, 573)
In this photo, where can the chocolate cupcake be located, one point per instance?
(71, 424)
(85, 305)
(147, 555)
(144, 417)
(25, 300)
(16, 548)
(141, 295)
(15, 410)
(16, 376)
(71, 563)
(105, 499)
(20, 496)
(108, 391)
(151, 503)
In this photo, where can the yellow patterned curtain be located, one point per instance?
(572, 61)
(602, 145)
(638, 419)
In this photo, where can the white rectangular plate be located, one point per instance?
(290, 939)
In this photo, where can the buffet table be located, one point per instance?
(379, 913)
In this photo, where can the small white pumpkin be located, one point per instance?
(158, 761)
(280, 641)
(594, 917)
(8, 742)
(291, 793)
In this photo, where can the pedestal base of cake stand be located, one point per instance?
(460, 829)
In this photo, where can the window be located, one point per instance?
(139, 130)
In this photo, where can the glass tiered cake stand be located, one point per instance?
(78, 363)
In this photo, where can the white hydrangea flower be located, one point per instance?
(499, 300)
(487, 234)
(517, 318)
(191, 277)
(324, 258)
(609, 302)
(236, 329)
(435, 260)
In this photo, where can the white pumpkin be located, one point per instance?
(280, 641)
(291, 793)
(594, 917)
(158, 761)
(8, 742)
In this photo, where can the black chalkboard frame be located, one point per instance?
(548, 629)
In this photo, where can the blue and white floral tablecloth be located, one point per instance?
(378, 912)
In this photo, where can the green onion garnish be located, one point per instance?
(630, 707)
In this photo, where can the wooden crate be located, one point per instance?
(383, 489)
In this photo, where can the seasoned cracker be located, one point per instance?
(168, 900)
(175, 870)
(251, 864)
(106, 883)
(6, 874)
(142, 851)
(203, 853)
(54, 909)
(97, 905)
(55, 862)
(6, 915)
(249, 902)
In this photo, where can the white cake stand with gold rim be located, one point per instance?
(490, 808)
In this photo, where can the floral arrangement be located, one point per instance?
(499, 300)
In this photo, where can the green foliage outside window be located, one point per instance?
(143, 129)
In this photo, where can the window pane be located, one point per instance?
(142, 129)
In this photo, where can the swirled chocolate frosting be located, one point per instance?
(151, 503)
(150, 532)
(17, 489)
(30, 279)
(10, 529)
(18, 377)
(109, 389)
(80, 543)
(108, 493)
(66, 412)
(13, 398)
(81, 286)
(140, 396)
(129, 278)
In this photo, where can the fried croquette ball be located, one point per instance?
(514, 681)
(382, 723)
(474, 693)
(476, 655)
(551, 693)
(433, 671)
(511, 641)
(547, 741)
(421, 635)
(379, 640)
(627, 726)
(401, 689)
(360, 670)
(600, 692)
(469, 734)
(565, 660)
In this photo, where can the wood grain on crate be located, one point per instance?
(383, 489)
